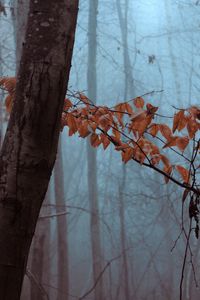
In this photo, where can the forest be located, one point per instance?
(100, 143)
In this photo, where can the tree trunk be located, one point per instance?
(128, 69)
(62, 246)
(37, 265)
(20, 16)
(91, 153)
(128, 91)
(123, 240)
(29, 149)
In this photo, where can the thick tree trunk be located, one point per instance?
(29, 150)
(91, 154)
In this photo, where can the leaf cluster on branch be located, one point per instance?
(130, 126)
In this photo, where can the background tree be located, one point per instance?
(92, 155)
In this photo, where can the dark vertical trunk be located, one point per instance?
(62, 246)
(91, 153)
(20, 16)
(29, 148)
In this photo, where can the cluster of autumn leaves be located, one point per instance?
(130, 127)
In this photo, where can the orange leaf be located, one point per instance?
(8, 103)
(116, 133)
(84, 99)
(194, 111)
(151, 109)
(9, 83)
(122, 147)
(165, 160)
(129, 108)
(165, 131)
(83, 129)
(167, 170)
(139, 155)
(192, 127)
(127, 154)
(95, 140)
(67, 104)
(171, 142)
(138, 102)
(105, 141)
(121, 107)
(153, 130)
(177, 119)
(182, 142)
(183, 172)
(155, 159)
(71, 123)
(92, 126)
(183, 122)
(104, 121)
(140, 122)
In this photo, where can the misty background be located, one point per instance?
(106, 230)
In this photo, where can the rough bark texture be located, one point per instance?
(29, 150)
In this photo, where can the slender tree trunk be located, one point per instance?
(29, 149)
(91, 153)
(37, 265)
(125, 272)
(20, 16)
(39, 258)
(128, 91)
(62, 246)
(128, 69)
(173, 59)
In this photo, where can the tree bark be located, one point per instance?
(29, 149)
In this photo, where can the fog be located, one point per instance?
(109, 231)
